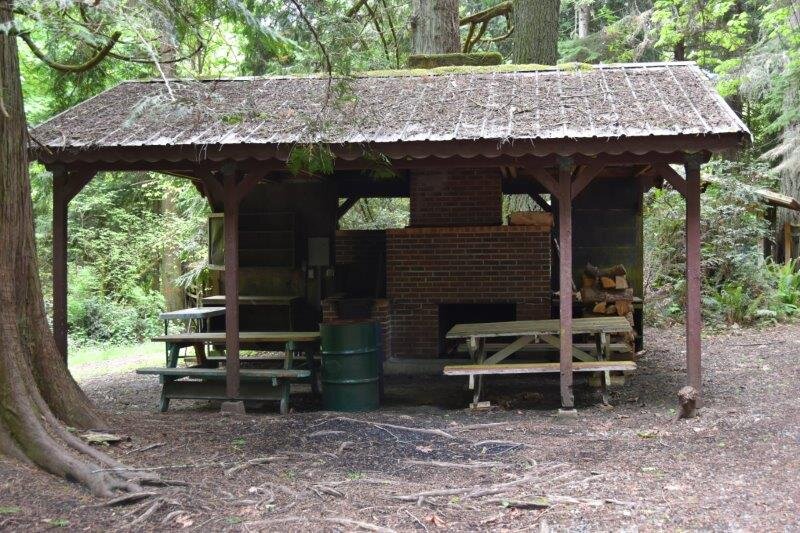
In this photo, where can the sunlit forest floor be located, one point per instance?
(89, 362)
(515, 467)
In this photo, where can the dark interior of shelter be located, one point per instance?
(460, 259)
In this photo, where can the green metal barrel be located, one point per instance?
(350, 366)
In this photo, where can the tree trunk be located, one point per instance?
(37, 394)
(584, 10)
(679, 51)
(536, 31)
(170, 260)
(434, 27)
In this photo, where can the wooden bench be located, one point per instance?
(529, 332)
(256, 384)
(492, 347)
(209, 384)
(536, 368)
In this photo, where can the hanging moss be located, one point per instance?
(452, 60)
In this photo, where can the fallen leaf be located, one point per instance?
(435, 520)
(184, 520)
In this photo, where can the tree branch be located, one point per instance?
(502, 9)
(328, 64)
(353, 11)
(481, 20)
(61, 67)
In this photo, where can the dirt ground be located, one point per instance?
(516, 467)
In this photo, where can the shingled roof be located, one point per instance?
(605, 102)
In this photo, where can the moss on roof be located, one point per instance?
(427, 61)
(472, 69)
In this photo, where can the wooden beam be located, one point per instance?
(585, 175)
(66, 185)
(565, 169)
(247, 184)
(231, 222)
(668, 173)
(540, 202)
(693, 276)
(213, 188)
(346, 206)
(546, 179)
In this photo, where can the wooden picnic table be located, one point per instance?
(218, 337)
(253, 300)
(257, 384)
(193, 313)
(525, 332)
(200, 315)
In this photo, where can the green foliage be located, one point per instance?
(377, 213)
(739, 285)
(311, 159)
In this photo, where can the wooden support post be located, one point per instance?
(787, 242)
(231, 222)
(565, 168)
(693, 280)
(66, 185)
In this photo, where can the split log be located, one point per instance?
(614, 271)
(608, 283)
(599, 308)
(593, 295)
(530, 218)
(621, 282)
(611, 309)
(623, 307)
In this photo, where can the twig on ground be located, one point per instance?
(417, 520)
(281, 488)
(145, 448)
(325, 432)
(445, 464)
(158, 504)
(499, 443)
(346, 522)
(478, 426)
(467, 492)
(424, 431)
(322, 487)
(252, 462)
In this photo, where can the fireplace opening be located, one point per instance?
(452, 314)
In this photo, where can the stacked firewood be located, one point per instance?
(605, 292)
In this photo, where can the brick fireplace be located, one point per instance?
(430, 267)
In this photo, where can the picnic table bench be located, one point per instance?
(526, 332)
(201, 383)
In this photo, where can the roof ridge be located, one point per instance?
(438, 71)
